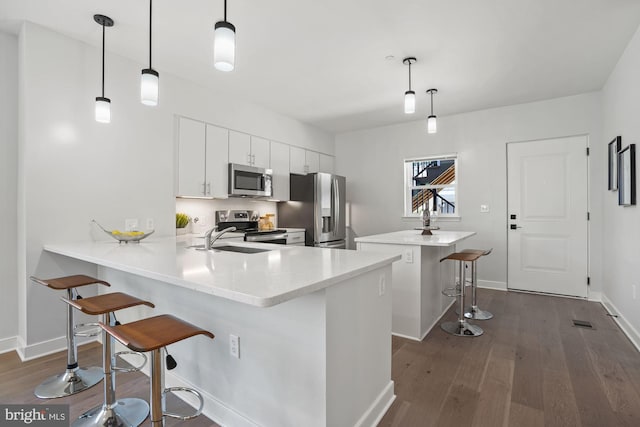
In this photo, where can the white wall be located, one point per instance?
(372, 161)
(622, 224)
(8, 188)
(72, 169)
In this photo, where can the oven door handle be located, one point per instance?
(266, 238)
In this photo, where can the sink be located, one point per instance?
(240, 249)
(228, 248)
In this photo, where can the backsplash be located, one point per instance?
(205, 209)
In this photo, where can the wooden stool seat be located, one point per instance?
(154, 332)
(107, 303)
(482, 252)
(69, 282)
(462, 256)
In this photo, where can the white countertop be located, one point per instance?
(415, 237)
(260, 279)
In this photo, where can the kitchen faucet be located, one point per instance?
(208, 240)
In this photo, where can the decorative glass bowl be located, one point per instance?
(125, 236)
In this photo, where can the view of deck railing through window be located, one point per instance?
(430, 182)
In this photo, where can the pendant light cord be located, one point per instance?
(225, 10)
(103, 60)
(431, 102)
(409, 76)
(150, 23)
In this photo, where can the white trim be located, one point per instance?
(440, 218)
(623, 323)
(406, 337)
(491, 284)
(213, 409)
(435, 156)
(378, 408)
(594, 296)
(8, 344)
(44, 348)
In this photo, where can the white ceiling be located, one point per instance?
(323, 62)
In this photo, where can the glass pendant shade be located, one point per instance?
(149, 87)
(103, 110)
(432, 125)
(409, 102)
(224, 46)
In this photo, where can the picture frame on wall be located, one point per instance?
(614, 147)
(627, 176)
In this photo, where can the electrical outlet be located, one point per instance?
(131, 224)
(484, 208)
(234, 346)
(382, 286)
(408, 256)
(150, 224)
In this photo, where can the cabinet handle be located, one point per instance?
(249, 158)
(208, 188)
(204, 188)
(253, 159)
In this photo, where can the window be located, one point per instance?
(432, 182)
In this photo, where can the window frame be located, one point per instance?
(408, 188)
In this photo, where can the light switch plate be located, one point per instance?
(408, 256)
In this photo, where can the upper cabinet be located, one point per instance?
(327, 163)
(202, 159)
(280, 168)
(248, 150)
(304, 161)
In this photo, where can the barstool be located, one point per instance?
(461, 327)
(121, 412)
(472, 311)
(153, 334)
(74, 379)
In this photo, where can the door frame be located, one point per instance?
(506, 215)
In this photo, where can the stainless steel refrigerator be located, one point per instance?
(317, 205)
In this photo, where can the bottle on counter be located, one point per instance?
(426, 217)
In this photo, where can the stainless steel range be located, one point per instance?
(247, 222)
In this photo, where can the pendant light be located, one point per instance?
(103, 105)
(224, 44)
(409, 96)
(432, 125)
(149, 78)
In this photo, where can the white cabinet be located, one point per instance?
(202, 159)
(295, 238)
(217, 164)
(304, 161)
(280, 168)
(327, 163)
(245, 149)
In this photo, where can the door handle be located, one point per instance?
(514, 226)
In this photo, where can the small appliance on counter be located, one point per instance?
(319, 208)
(247, 222)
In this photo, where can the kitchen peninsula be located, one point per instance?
(314, 326)
(419, 278)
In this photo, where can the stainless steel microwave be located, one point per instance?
(249, 181)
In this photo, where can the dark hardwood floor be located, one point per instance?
(531, 367)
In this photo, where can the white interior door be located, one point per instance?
(547, 216)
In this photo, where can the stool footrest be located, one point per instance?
(133, 368)
(79, 332)
(188, 390)
(451, 292)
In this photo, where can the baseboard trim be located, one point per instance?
(491, 284)
(44, 348)
(378, 408)
(594, 296)
(214, 409)
(622, 322)
(8, 344)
